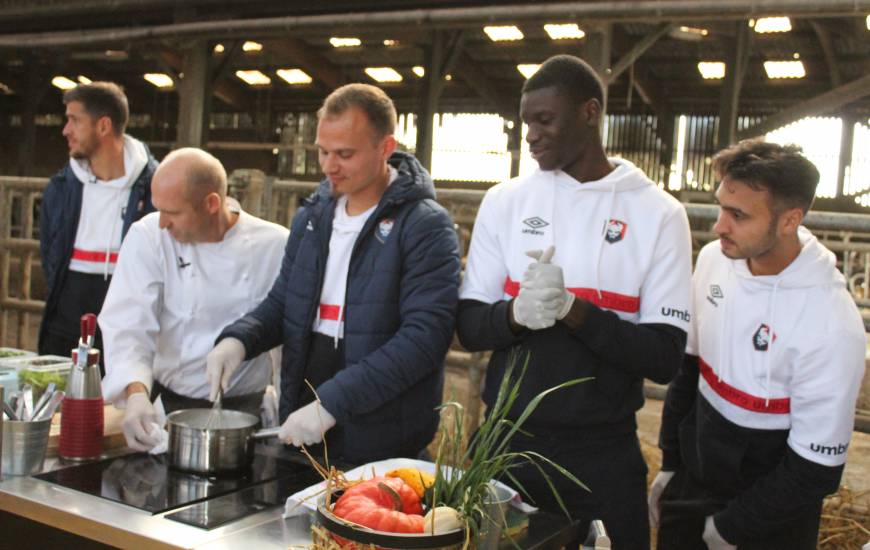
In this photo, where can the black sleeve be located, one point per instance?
(482, 327)
(777, 498)
(652, 350)
(678, 402)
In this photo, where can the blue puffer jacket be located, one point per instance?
(400, 307)
(59, 222)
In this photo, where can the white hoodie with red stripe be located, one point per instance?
(101, 219)
(623, 244)
(780, 352)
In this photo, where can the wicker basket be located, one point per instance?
(330, 526)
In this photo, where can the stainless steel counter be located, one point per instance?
(115, 524)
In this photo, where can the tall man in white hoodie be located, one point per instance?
(611, 304)
(756, 424)
(87, 209)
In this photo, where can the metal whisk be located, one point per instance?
(215, 414)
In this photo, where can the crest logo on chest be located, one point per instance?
(762, 338)
(385, 227)
(614, 231)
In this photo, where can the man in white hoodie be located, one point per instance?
(185, 272)
(757, 422)
(87, 209)
(611, 303)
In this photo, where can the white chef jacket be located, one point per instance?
(168, 301)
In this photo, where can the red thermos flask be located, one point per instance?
(81, 417)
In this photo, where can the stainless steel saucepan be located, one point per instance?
(210, 446)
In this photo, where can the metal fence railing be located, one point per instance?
(847, 235)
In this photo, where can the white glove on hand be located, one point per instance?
(306, 425)
(544, 275)
(712, 537)
(655, 495)
(536, 308)
(221, 363)
(138, 418)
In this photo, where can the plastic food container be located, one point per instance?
(39, 370)
(10, 356)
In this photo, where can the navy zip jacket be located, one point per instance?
(400, 307)
(59, 222)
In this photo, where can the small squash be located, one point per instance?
(382, 503)
(417, 479)
(442, 519)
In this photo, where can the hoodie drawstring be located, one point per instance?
(601, 241)
(112, 236)
(771, 306)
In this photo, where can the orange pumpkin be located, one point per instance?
(382, 503)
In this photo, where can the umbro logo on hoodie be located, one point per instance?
(535, 224)
(310, 226)
(715, 292)
(762, 338)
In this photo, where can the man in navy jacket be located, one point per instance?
(87, 209)
(366, 298)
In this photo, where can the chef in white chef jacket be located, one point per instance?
(184, 273)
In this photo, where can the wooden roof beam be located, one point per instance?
(823, 103)
(473, 75)
(827, 46)
(225, 90)
(309, 60)
(639, 48)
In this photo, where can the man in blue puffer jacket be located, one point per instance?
(366, 298)
(87, 209)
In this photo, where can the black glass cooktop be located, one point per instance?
(147, 482)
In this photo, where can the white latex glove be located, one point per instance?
(655, 495)
(306, 425)
(712, 537)
(545, 275)
(139, 417)
(221, 363)
(536, 308)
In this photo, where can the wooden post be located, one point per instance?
(598, 50)
(847, 141)
(515, 145)
(432, 86)
(5, 216)
(730, 98)
(192, 116)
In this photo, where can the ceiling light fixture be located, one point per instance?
(338, 42)
(772, 24)
(63, 83)
(254, 77)
(785, 69)
(503, 33)
(712, 70)
(161, 80)
(528, 69)
(294, 76)
(564, 31)
(384, 74)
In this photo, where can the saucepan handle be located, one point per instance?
(266, 433)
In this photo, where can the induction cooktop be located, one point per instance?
(147, 482)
